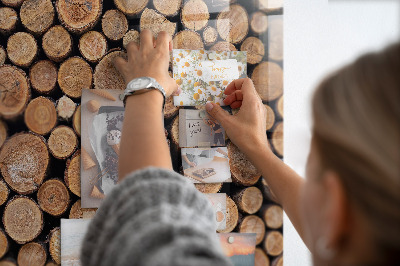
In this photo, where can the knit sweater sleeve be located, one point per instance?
(153, 217)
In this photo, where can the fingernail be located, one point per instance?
(179, 90)
(209, 106)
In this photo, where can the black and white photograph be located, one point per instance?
(198, 129)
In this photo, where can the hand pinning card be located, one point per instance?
(198, 129)
(204, 75)
(206, 165)
(218, 201)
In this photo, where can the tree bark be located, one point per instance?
(55, 244)
(114, 24)
(232, 216)
(74, 75)
(8, 20)
(131, 7)
(268, 80)
(277, 138)
(106, 76)
(155, 22)
(243, 171)
(253, 224)
(72, 175)
(57, 43)
(22, 49)
(43, 76)
(41, 115)
(77, 17)
(233, 24)
(249, 200)
(93, 46)
(22, 219)
(254, 48)
(273, 243)
(195, 15)
(272, 215)
(24, 160)
(37, 16)
(167, 8)
(53, 197)
(32, 253)
(65, 108)
(187, 39)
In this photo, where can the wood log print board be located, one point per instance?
(56, 167)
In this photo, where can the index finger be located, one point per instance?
(245, 85)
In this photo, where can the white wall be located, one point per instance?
(320, 36)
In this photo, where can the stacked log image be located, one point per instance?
(51, 50)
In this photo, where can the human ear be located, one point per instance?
(336, 216)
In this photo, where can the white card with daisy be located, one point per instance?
(203, 75)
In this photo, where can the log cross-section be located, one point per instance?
(37, 16)
(41, 115)
(62, 142)
(24, 159)
(79, 17)
(53, 197)
(74, 75)
(22, 219)
(249, 200)
(14, 91)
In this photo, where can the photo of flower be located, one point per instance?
(203, 75)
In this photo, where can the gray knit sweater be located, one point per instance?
(153, 217)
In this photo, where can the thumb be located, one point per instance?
(218, 113)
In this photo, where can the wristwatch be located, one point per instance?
(140, 85)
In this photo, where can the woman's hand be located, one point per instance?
(246, 129)
(150, 59)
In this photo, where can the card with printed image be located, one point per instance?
(218, 201)
(198, 129)
(204, 75)
(206, 165)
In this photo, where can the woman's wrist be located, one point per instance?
(152, 99)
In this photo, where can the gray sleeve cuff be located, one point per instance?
(153, 217)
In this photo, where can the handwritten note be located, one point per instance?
(219, 70)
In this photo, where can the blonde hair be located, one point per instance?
(356, 114)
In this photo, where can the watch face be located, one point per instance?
(140, 83)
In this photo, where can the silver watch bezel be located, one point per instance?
(151, 84)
